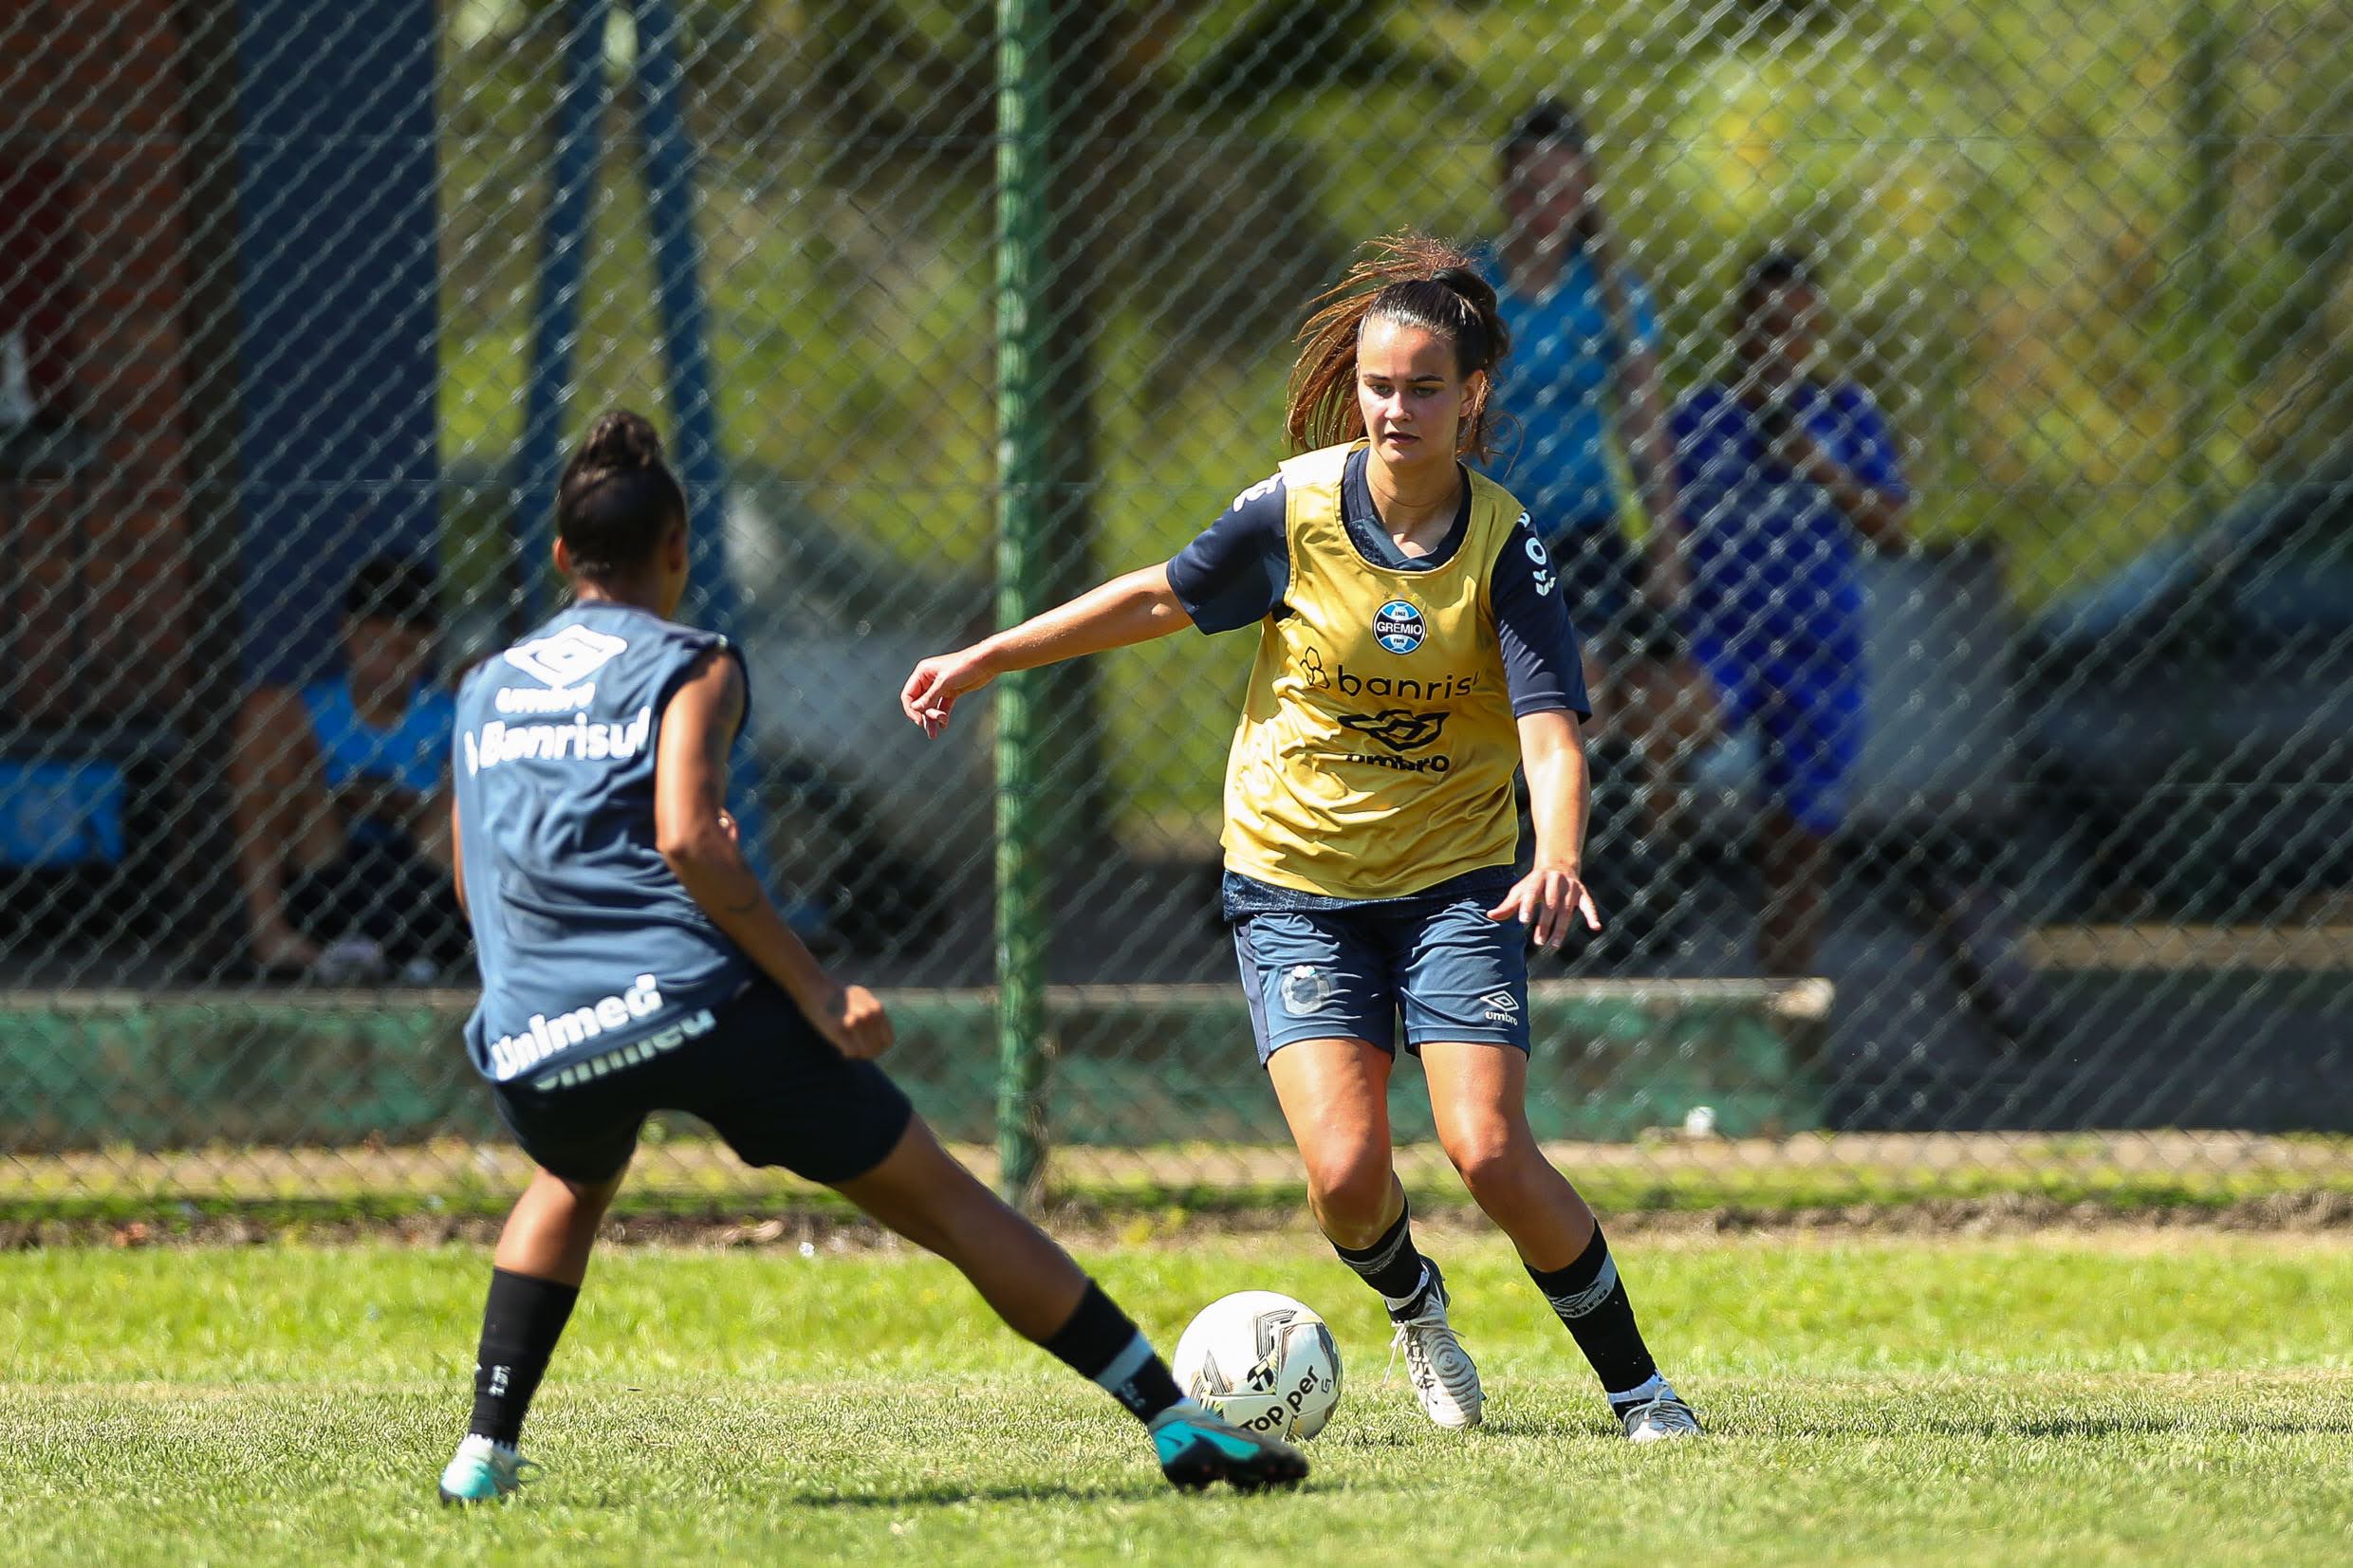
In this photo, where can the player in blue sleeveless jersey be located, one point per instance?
(632, 962)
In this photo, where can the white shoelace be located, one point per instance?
(1416, 1337)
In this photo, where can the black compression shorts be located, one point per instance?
(774, 1089)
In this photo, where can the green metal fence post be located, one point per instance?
(2205, 347)
(2205, 116)
(1021, 916)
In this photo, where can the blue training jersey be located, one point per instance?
(1567, 354)
(413, 753)
(587, 943)
(1772, 557)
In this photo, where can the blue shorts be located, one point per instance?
(1348, 973)
(1809, 712)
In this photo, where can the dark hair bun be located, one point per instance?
(617, 496)
(620, 440)
(1466, 281)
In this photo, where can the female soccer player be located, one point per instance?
(1413, 652)
(631, 962)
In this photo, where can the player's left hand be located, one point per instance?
(930, 692)
(1545, 900)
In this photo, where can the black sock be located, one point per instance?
(520, 1322)
(1592, 1303)
(1101, 1345)
(1392, 1264)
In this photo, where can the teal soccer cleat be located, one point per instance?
(1197, 1450)
(483, 1471)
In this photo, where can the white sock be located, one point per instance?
(1653, 1386)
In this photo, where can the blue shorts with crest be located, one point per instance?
(1438, 963)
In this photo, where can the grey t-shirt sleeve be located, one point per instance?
(1543, 671)
(1236, 571)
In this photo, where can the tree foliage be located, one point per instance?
(2001, 191)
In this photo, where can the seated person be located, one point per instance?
(340, 791)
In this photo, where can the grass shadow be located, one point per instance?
(948, 1497)
(2138, 1424)
(1560, 1427)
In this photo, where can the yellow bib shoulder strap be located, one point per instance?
(1376, 747)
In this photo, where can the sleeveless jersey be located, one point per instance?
(587, 942)
(1377, 747)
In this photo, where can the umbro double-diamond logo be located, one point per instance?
(563, 657)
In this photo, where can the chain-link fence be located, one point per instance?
(1942, 415)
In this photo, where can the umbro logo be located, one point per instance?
(1398, 728)
(1500, 1001)
(567, 656)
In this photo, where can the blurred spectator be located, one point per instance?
(1789, 470)
(341, 797)
(1585, 365)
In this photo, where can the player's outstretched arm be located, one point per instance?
(1126, 610)
(1553, 893)
(697, 838)
(457, 861)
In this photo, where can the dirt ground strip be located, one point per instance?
(1867, 1165)
(2307, 1215)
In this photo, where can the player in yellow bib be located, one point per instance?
(1414, 655)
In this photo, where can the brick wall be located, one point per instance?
(98, 622)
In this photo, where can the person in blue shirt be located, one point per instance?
(1585, 372)
(632, 962)
(339, 794)
(1788, 474)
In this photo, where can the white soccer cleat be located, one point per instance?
(483, 1471)
(1664, 1419)
(1438, 1366)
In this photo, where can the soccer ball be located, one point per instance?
(1264, 1361)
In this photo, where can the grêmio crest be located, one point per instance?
(1399, 627)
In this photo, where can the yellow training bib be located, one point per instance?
(1377, 747)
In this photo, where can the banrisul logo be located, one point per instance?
(1399, 627)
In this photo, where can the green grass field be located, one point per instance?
(2130, 1398)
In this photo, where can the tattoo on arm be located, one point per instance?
(721, 738)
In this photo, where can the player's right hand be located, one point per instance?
(853, 1019)
(930, 692)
